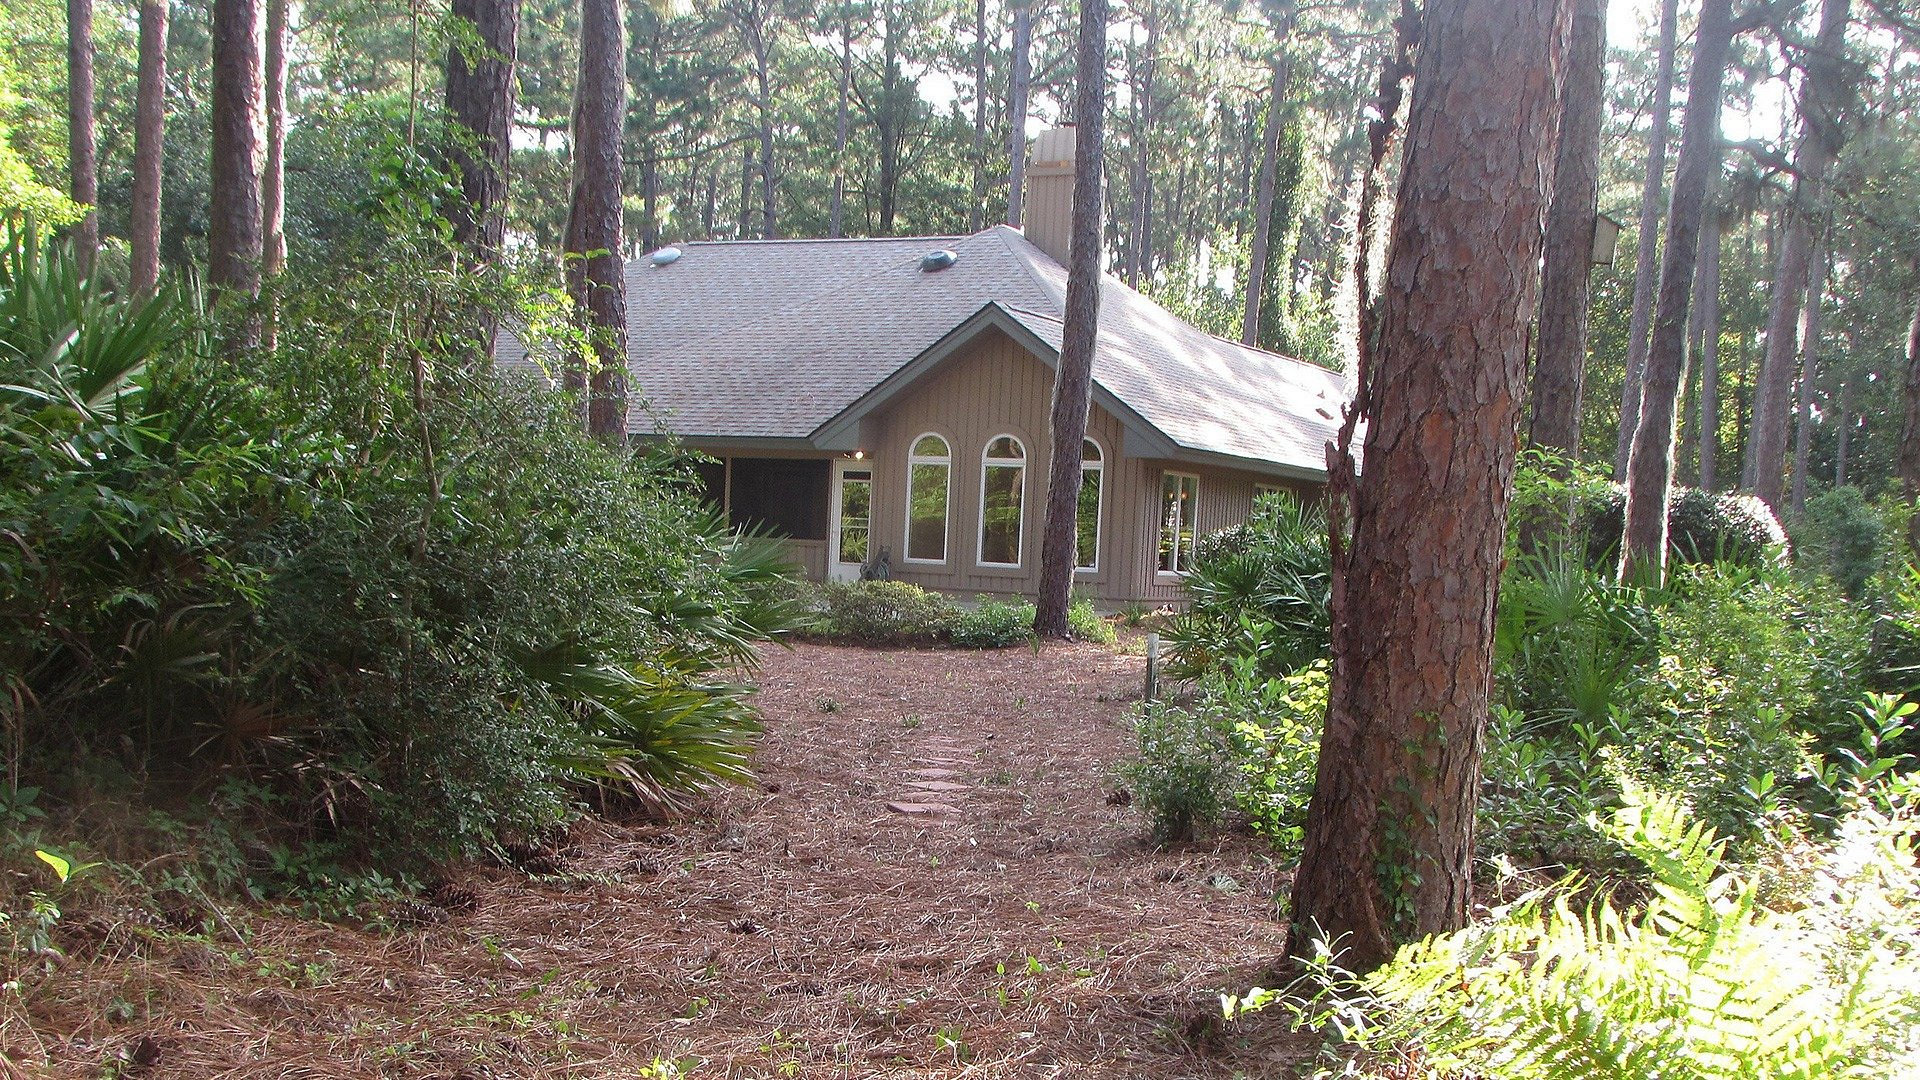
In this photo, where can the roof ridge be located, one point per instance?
(783, 240)
(1001, 232)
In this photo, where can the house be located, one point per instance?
(888, 400)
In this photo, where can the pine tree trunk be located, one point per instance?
(149, 146)
(836, 213)
(1707, 288)
(480, 98)
(1809, 370)
(1264, 195)
(1017, 108)
(1643, 555)
(1073, 378)
(1820, 140)
(594, 266)
(977, 210)
(1646, 253)
(763, 75)
(1560, 367)
(235, 220)
(83, 171)
(1909, 433)
(1389, 835)
(273, 177)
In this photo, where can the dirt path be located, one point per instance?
(1016, 928)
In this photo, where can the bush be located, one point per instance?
(1087, 624)
(1274, 732)
(992, 624)
(886, 613)
(1702, 527)
(1260, 590)
(1705, 980)
(1845, 538)
(1184, 770)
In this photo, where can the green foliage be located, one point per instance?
(1274, 732)
(884, 613)
(992, 624)
(324, 569)
(1086, 623)
(1259, 589)
(1704, 980)
(1184, 769)
(1844, 537)
(1702, 527)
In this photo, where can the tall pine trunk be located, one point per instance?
(1820, 139)
(836, 213)
(480, 96)
(1560, 367)
(1073, 377)
(149, 146)
(1707, 290)
(273, 176)
(1809, 371)
(234, 230)
(977, 209)
(595, 275)
(1643, 549)
(1021, 74)
(1909, 432)
(1265, 189)
(1646, 251)
(83, 170)
(1389, 836)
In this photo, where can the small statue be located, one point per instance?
(880, 569)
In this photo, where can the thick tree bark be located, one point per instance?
(977, 210)
(1389, 834)
(1073, 377)
(1909, 433)
(1809, 370)
(1821, 136)
(1263, 197)
(273, 176)
(1643, 555)
(1707, 296)
(1560, 366)
(83, 171)
(235, 221)
(149, 146)
(1646, 253)
(480, 99)
(595, 276)
(1017, 108)
(836, 213)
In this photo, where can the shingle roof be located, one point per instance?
(774, 339)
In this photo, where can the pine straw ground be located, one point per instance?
(796, 929)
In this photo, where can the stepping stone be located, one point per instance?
(934, 774)
(922, 809)
(937, 785)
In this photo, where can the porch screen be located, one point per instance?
(786, 495)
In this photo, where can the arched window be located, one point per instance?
(929, 472)
(1003, 486)
(1093, 479)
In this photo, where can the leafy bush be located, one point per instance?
(323, 569)
(1702, 527)
(885, 613)
(1706, 980)
(1087, 624)
(1274, 733)
(992, 624)
(1844, 537)
(1259, 589)
(1184, 770)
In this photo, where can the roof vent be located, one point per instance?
(937, 259)
(666, 256)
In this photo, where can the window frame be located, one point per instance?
(946, 510)
(1099, 504)
(1191, 519)
(1020, 534)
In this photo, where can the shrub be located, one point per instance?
(992, 624)
(1702, 527)
(886, 612)
(1261, 590)
(1844, 537)
(1274, 731)
(1184, 770)
(1705, 980)
(1087, 624)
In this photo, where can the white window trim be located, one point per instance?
(1099, 507)
(946, 511)
(1161, 524)
(980, 534)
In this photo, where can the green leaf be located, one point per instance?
(62, 869)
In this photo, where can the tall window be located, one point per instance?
(1003, 483)
(1179, 502)
(929, 469)
(1093, 472)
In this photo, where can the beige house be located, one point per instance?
(885, 402)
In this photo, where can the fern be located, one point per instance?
(1703, 981)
